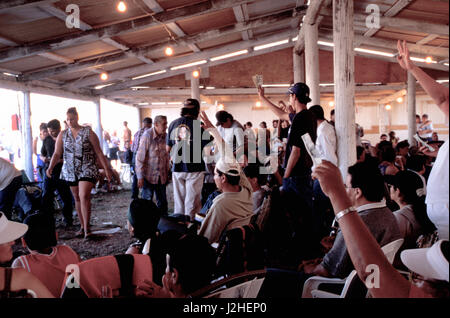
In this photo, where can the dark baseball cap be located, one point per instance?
(191, 103)
(301, 90)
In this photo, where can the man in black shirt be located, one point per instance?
(55, 183)
(297, 182)
(185, 142)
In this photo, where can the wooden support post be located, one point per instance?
(195, 88)
(312, 62)
(299, 67)
(27, 138)
(411, 91)
(98, 122)
(344, 79)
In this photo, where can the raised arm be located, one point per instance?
(361, 245)
(275, 109)
(439, 93)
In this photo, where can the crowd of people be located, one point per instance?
(241, 190)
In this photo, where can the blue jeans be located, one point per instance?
(323, 211)
(298, 198)
(134, 184)
(156, 189)
(8, 195)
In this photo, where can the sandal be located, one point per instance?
(80, 233)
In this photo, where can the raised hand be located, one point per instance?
(261, 92)
(403, 56)
(206, 121)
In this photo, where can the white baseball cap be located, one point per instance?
(429, 262)
(10, 231)
(229, 168)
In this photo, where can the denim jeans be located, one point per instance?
(48, 195)
(8, 195)
(298, 198)
(134, 184)
(323, 211)
(159, 190)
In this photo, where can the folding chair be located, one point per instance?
(352, 285)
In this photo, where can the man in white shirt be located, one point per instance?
(232, 132)
(326, 145)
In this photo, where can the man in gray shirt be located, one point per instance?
(365, 188)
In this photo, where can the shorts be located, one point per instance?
(75, 183)
(113, 153)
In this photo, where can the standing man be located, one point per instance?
(185, 143)
(152, 163)
(326, 145)
(232, 133)
(55, 183)
(297, 182)
(126, 136)
(146, 124)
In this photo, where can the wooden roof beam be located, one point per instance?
(392, 45)
(392, 12)
(139, 24)
(62, 15)
(19, 4)
(204, 55)
(311, 17)
(208, 35)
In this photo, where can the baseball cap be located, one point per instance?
(229, 168)
(429, 262)
(301, 90)
(191, 103)
(9, 230)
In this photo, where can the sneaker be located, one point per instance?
(93, 191)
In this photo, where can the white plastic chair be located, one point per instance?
(311, 286)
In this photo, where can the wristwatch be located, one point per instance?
(344, 212)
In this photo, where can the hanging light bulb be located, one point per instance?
(331, 104)
(104, 76)
(400, 99)
(388, 107)
(168, 51)
(121, 6)
(221, 107)
(258, 104)
(196, 74)
(429, 60)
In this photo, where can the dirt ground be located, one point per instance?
(109, 213)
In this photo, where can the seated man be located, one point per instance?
(143, 217)
(11, 192)
(190, 266)
(256, 180)
(365, 188)
(233, 207)
(47, 260)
